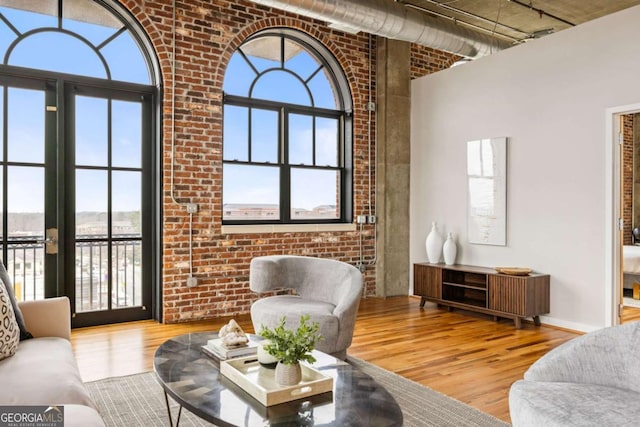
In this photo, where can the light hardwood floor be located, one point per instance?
(461, 354)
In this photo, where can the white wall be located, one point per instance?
(550, 98)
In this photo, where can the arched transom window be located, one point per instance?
(287, 132)
(78, 37)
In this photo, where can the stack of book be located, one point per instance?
(216, 349)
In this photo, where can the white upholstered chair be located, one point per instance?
(592, 380)
(329, 291)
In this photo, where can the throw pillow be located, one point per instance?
(9, 331)
(4, 278)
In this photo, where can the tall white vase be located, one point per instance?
(450, 250)
(434, 244)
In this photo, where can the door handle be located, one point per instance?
(50, 241)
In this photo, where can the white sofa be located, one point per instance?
(44, 370)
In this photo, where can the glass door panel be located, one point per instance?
(83, 177)
(127, 134)
(127, 273)
(91, 131)
(25, 125)
(25, 230)
(126, 231)
(108, 135)
(92, 257)
(22, 189)
(92, 288)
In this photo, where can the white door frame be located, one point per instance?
(612, 242)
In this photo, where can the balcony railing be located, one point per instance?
(25, 265)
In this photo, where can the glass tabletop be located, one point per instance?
(193, 380)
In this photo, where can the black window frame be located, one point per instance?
(343, 115)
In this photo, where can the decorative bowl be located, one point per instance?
(514, 271)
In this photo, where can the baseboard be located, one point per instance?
(570, 326)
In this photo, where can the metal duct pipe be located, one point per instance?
(391, 20)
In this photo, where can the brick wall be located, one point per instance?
(425, 60)
(208, 32)
(627, 178)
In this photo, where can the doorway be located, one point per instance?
(76, 184)
(79, 158)
(623, 253)
(629, 142)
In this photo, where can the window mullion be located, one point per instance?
(313, 140)
(60, 8)
(249, 134)
(341, 142)
(285, 169)
(282, 54)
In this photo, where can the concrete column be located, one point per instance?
(393, 81)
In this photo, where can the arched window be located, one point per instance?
(287, 153)
(79, 87)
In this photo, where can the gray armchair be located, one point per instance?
(329, 291)
(592, 380)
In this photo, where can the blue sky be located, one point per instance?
(55, 51)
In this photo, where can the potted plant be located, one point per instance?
(290, 347)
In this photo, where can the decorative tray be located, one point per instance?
(260, 382)
(514, 271)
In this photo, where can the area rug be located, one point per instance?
(138, 400)
(422, 406)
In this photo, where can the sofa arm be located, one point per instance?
(49, 317)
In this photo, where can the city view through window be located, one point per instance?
(25, 260)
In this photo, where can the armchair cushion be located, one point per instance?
(270, 311)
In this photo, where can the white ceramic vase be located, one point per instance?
(288, 374)
(434, 244)
(449, 250)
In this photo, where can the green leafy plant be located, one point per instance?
(289, 346)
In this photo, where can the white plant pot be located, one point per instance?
(288, 374)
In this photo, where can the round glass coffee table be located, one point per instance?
(194, 381)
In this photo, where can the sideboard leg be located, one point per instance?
(422, 301)
(536, 320)
(518, 323)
